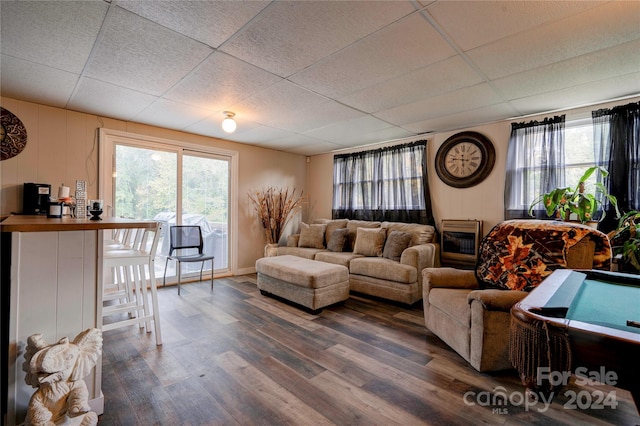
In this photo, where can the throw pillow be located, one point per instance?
(292, 240)
(332, 225)
(397, 242)
(337, 239)
(353, 226)
(370, 241)
(311, 236)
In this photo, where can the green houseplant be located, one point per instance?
(625, 242)
(561, 202)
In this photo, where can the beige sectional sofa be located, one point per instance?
(385, 259)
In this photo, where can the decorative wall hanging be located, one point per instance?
(465, 159)
(13, 135)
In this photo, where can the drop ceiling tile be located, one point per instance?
(261, 135)
(450, 74)
(289, 36)
(585, 94)
(220, 81)
(316, 148)
(99, 98)
(139, 54)
(211, 22)
(474, 23)
(297, 141)
(595, 29)
(171, 115)
(453, 102)
(378, 136)
(37, 83)
(407, 45)
(470, 118)
(346, 130)
(277, 101)
(313, 117)
(593, 67)
(53, 33)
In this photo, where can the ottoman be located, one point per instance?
(309, 283)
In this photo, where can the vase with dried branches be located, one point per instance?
(275, 207)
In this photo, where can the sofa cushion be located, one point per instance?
(396, 243)
(337, 239)
(353, 226)
(305, 252)
(312, 236)
(332, 225)
(337, 258)
(420, 234)
(384, 269)
(370, 242)
(452, 301)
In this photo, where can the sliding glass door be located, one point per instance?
(205, 201)
(175, 186)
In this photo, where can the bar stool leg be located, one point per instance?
(145, 297)
(154, 302)
(137, 288)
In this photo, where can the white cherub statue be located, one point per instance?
(57, 371)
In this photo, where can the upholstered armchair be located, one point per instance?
(470, 309)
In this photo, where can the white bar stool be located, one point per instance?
(131, 259)
(119, 283)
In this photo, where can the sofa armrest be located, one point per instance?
(421, 256)
(497, 300)
(270, 250)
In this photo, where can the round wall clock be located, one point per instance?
(13, 135)
(465, 159)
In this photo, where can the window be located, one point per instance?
(535, 163)
(579, 151)
(383, 184)
(549, 154)
(572, 155)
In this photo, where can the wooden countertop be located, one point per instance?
(26, 223)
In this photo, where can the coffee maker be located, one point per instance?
(36, 198)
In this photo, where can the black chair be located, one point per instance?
(184, 237)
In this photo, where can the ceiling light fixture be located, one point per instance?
(229, 124)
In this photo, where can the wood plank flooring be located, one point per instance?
(234, 357)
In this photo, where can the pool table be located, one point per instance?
(583, 322)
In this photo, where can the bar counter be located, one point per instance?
(19, 223)
(52, 279)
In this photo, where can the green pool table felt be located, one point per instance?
(605, 304)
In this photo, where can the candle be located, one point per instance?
(63, 192)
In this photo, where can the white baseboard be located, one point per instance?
(246, 271)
